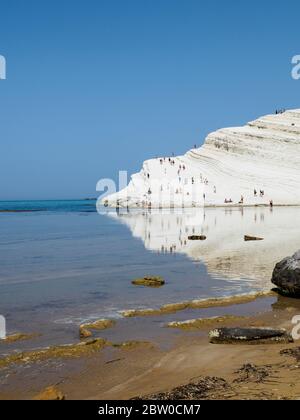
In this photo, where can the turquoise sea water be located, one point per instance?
(50, 205)
(65, 263)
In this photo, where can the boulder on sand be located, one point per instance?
(286, 275)
(248, 335)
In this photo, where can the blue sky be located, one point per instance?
(98, 86)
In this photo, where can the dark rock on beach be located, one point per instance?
(286, 275)
(248, 335)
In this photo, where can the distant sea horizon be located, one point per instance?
(47, 205)
(46, 199)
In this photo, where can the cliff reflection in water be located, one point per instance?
(224, 252)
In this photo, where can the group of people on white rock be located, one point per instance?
(182, 167)
(261, 193)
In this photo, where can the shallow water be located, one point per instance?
(66, 264)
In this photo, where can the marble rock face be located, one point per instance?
(263, 155)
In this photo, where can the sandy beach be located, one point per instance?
(145, 369)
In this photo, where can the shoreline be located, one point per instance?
(218, 302)
(162, 208)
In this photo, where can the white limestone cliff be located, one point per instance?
(233, 162)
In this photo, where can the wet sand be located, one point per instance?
(174, 358)
(193, 358)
